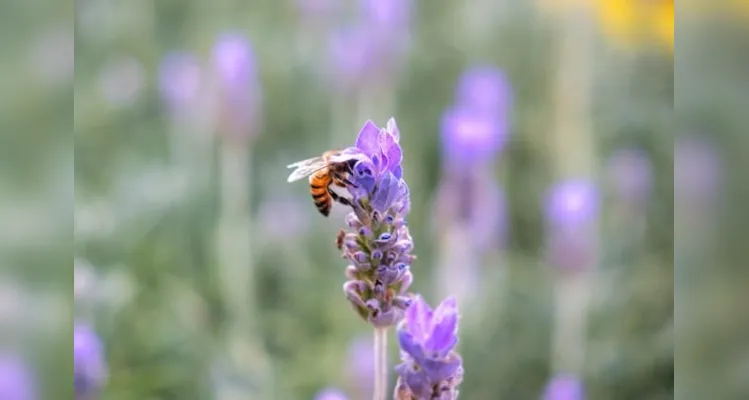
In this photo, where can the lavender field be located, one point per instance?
(516, 175)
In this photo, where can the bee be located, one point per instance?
(331, 168)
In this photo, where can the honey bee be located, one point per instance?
(332, 168)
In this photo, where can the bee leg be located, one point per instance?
(342, 181)
(339, 198)
(348, 182)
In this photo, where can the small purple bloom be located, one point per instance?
(571, 212)
(236, 71)
(470, 137)
(90, 370)
(360, 364)
(180, 81)
(485, 89)
(234, 60)
(427, 338)
(572, 203)
(632, 174)
(697, 171)
(317, 9)
(17, 381)
(331, 394)
(387, 14)
(353, 55)
(564, 387)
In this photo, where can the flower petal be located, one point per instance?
(392, 128)
(397, 171)
(385, 193)
(391, 150)
(417, 381)
(410, 345)
(368, 139)
(418, 318)
(440, 370)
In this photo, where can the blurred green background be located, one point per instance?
(208, 276)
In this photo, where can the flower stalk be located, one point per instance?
(381, 367)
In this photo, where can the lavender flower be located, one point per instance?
(354, 55)
(470, 137)
(17, 380)
(180, 81)
(236, 72)
(90, 370)
(697, 172)
(378, 244)
(564, 387)
(571, 210)
(431, 369)
(387, 15)
(331, 394)
(632, 175)
(485, 89)
(360, 365)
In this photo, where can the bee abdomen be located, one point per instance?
(321, 197)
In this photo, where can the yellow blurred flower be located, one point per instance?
(627, 22)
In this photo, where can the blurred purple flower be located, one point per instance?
(354, 55)
(430, 368)
(632, 174)
(317, 9)
(360, 364)
(234, 61)
(571, 210)
(697, 171)
(485, 89)
(387, 15)
(476, 202)
(571, 203)
(331, 394)
(564, 387)
(180, 81)
(90, 370)
(17, 380)
(234, 65)
(470, 137)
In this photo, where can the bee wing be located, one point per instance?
(346, 155)
(305, 168)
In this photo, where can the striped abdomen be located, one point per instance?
(318, 188)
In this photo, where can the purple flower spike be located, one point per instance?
(631, 174)
(572, 203)
(485, 89)
(470, 137)
(431, 369)
(564, 387)
(392, 14)
(235, 68)
(353, 55)
(180, 81)
(17, 380)
(234, 60)
(331, 394)
(90, 370)
(571, 212)
(360, 365)
(378, 245)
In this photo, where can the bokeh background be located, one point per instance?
(538, 144)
